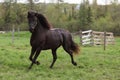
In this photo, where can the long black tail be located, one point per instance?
(74, 47)
(68, 43)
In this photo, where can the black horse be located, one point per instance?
(43, 38)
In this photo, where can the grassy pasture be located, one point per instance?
(93, 62)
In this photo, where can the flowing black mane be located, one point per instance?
(44, 22)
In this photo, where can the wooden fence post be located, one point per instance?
(104, 40)
(92, 38)
(13, 31)
(80, 37)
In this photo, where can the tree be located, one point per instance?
(6, 13)
(31, 4)
(89, 17)
(85, 15)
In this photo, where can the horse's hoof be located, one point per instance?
(29, 67)
(37, 62)
(51, 67)
(75, 64)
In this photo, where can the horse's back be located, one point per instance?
(55, 38)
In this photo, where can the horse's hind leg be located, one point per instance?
(54, 57)
(71, 55)
(72, 60)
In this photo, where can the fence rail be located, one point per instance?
(96, 38)
(2, 32)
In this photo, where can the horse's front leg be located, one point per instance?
(32, 53)
(35, 57)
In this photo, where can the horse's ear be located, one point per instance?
(28, 12)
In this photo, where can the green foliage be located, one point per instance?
(93, 62)
(85, 15)
(63, 15)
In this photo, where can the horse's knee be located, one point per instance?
(30, 58)
(55, 58)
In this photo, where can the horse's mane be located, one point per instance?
(44, 22)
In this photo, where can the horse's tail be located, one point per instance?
(69, 45)
(74, 47)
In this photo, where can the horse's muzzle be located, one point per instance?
(31, 30)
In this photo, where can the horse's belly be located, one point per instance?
(52, 45)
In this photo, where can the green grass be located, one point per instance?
(93, 62)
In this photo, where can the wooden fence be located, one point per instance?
(2, 32)
(96, 38)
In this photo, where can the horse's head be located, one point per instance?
(32, 20)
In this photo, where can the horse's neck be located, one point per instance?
(39, 30)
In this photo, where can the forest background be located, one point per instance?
(73, 17)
